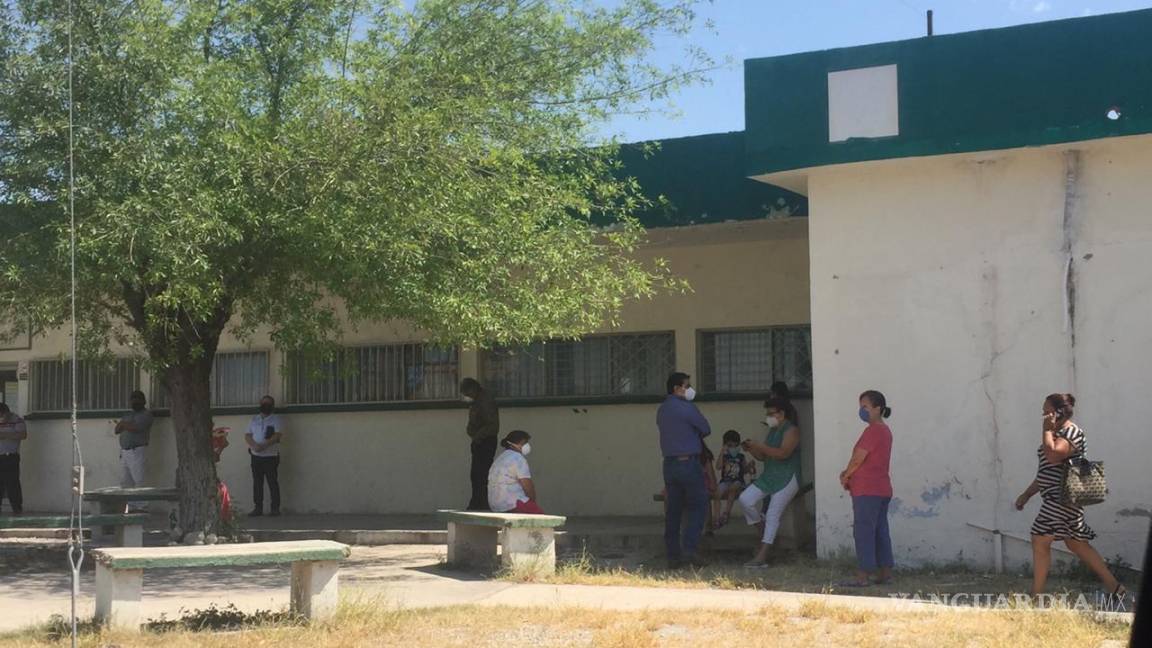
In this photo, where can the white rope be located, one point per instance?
(76, 520)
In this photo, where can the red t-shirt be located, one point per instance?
(871, 478)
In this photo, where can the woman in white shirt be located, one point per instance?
(510, 487)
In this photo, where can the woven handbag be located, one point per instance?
(1082, 482)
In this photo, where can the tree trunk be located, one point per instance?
(189, 398)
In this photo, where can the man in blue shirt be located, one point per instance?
(682, 430)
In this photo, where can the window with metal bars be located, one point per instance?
(606, 365)
(238, 378)
(751, 360)
(100, 385)
(375, 374)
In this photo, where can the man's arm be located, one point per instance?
(14, 431)
(700, 423)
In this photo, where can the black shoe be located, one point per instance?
(256, 513)
(274, 513)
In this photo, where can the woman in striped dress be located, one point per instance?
(1061, 439)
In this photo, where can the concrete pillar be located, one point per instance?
(315, 588)
(471, 546)
(118, 597)
(130, 535)
(529, 550)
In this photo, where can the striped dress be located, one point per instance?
(1055, 518)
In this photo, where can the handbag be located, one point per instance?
(1082, 482)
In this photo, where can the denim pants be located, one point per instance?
(686, 492)
(870, 528)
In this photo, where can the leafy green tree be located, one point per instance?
(297, 165)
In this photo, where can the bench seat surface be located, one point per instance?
(64, 522)
(221, 555)
(503, 520)
(140, 494)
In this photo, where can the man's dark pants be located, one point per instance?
(483, 452)
(266, 469)
(686, 494)
(10, 481)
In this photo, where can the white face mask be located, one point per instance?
(689, 394)
(526, 449)
(771, 421)
(466, 399)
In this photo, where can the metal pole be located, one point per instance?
(929, 22)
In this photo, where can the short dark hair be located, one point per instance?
(731, 436)
(675, 379)
(4, 408)
(267, 397)
(515, 437)
(469, 387)
(139, 394)
(877, 399)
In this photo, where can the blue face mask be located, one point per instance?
(733, 452)
(864, 415)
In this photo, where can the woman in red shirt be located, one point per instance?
(867, 479)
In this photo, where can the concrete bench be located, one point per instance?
(797, 508)
(528, 541)
(115, 499)
(120, 573)
(129, 526)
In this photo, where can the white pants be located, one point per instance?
(132, 471)
(750, 501)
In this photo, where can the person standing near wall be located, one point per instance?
(682, 432)
(13, 430)
(483, 428)
(1061, 440)
(134, 431)
(779, 479)
(867, 479)
(263, 438)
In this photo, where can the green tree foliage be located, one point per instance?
(293, 165)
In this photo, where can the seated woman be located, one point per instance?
(510, 487)
(778, 480)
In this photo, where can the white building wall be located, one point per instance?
(941, 282)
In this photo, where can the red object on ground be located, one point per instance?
(225, 501)
(528, 507)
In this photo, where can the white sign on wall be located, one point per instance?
(863, 103)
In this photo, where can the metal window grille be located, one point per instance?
(609, 365)
(375, 374)
(101, 385)
(751, 360)
(238, 378)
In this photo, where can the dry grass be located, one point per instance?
(799, 573)
(367, 623)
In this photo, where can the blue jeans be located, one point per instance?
(684, 483)
(870, 528)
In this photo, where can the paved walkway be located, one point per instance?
(36, 585)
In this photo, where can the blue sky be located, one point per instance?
(753, 28)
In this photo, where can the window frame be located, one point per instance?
(34, 408)
(751, 393)
(416, 403)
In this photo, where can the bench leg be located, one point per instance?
(314, 588)
(108, 508)
(531, 550)
(130, 535)
(471, 546)
(118, 597)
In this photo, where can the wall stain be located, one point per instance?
(1134, 512)
(897, 507)
(934, 495)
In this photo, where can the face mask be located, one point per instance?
(265, 409)
(733, 452)
(526, 449)
(771, 421)
(137, 406)
(689, 394)
(466, 399)
(864, 415)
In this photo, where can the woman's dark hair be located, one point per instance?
(731, 436)
(780, 389)
(675, 380)
(515, 437)
(784, 405)
(1064, 404)
(469, 387)
(877, 399)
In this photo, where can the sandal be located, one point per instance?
(722, 521)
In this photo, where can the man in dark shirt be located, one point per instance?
(682, 431)
(483, 428)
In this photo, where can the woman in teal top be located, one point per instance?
(779, 479)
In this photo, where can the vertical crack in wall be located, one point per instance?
(1071, 193)
(991, 304)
